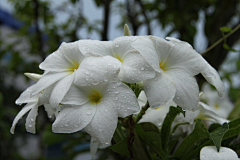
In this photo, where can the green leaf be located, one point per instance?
(218, 134)
(119, 135)
(234, 124)
(199, 133)
(121, 148)
(225, 29)
(213, 127)
(227, 47)
(232, 132)
(167, 123)
(150, 134)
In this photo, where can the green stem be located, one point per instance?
(221, 39)
(141, 113)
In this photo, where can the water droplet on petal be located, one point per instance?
(30, 125)
(116, 44)
(89, 111)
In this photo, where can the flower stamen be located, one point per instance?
(95, 97)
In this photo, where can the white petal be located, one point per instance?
(146, 48)
(73, 118)
(123, 97)
(31, 119)
(95, 47)
(222, 106)
(187, 93)
(142, 99)
(183, 56)
(163, 48)
(48, 80)
(94, 70)
(27, 97)
(44, 97)
(76, 95)
(211, 75)
(211, 153)
(60, 89)
(160, 90)
(104, 122)
(155, 116)
(49, 110)
(135, 68)
(95, 144)
(23, 111)
(33, 76)
(122, 45)
(55, 62)
(71, 52)
(209, 114)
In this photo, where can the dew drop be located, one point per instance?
(105, 79)
(142, 68)
(116, 44)
(30, 125)
(32, 119)
(89, 111)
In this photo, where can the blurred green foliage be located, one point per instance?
(41, 34)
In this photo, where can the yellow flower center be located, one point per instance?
(95, 97)
(119, 58)
(73, 67)
(216, 106)
(158, 108)
(162, 66)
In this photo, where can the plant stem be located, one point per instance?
(221, 39)
(141, 113)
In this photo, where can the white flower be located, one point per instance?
(95, 108)
(67, 65)
(211, 153)
(134, 67)
(33, 102)
(222, 107)
(175, 63)
(208, 113)
(155, 116)
(95, 144)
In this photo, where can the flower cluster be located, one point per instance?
(85, 84)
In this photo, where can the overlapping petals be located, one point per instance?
(175, 63)
(134, 67)
(33, 102)
(95, 108)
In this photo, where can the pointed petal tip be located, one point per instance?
(12, 130)
(33, 76)
(127, 31)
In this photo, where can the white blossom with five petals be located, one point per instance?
(95, 108)
(175, 63)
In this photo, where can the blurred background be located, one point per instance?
(30, 30)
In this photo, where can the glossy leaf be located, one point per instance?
(167, 123)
